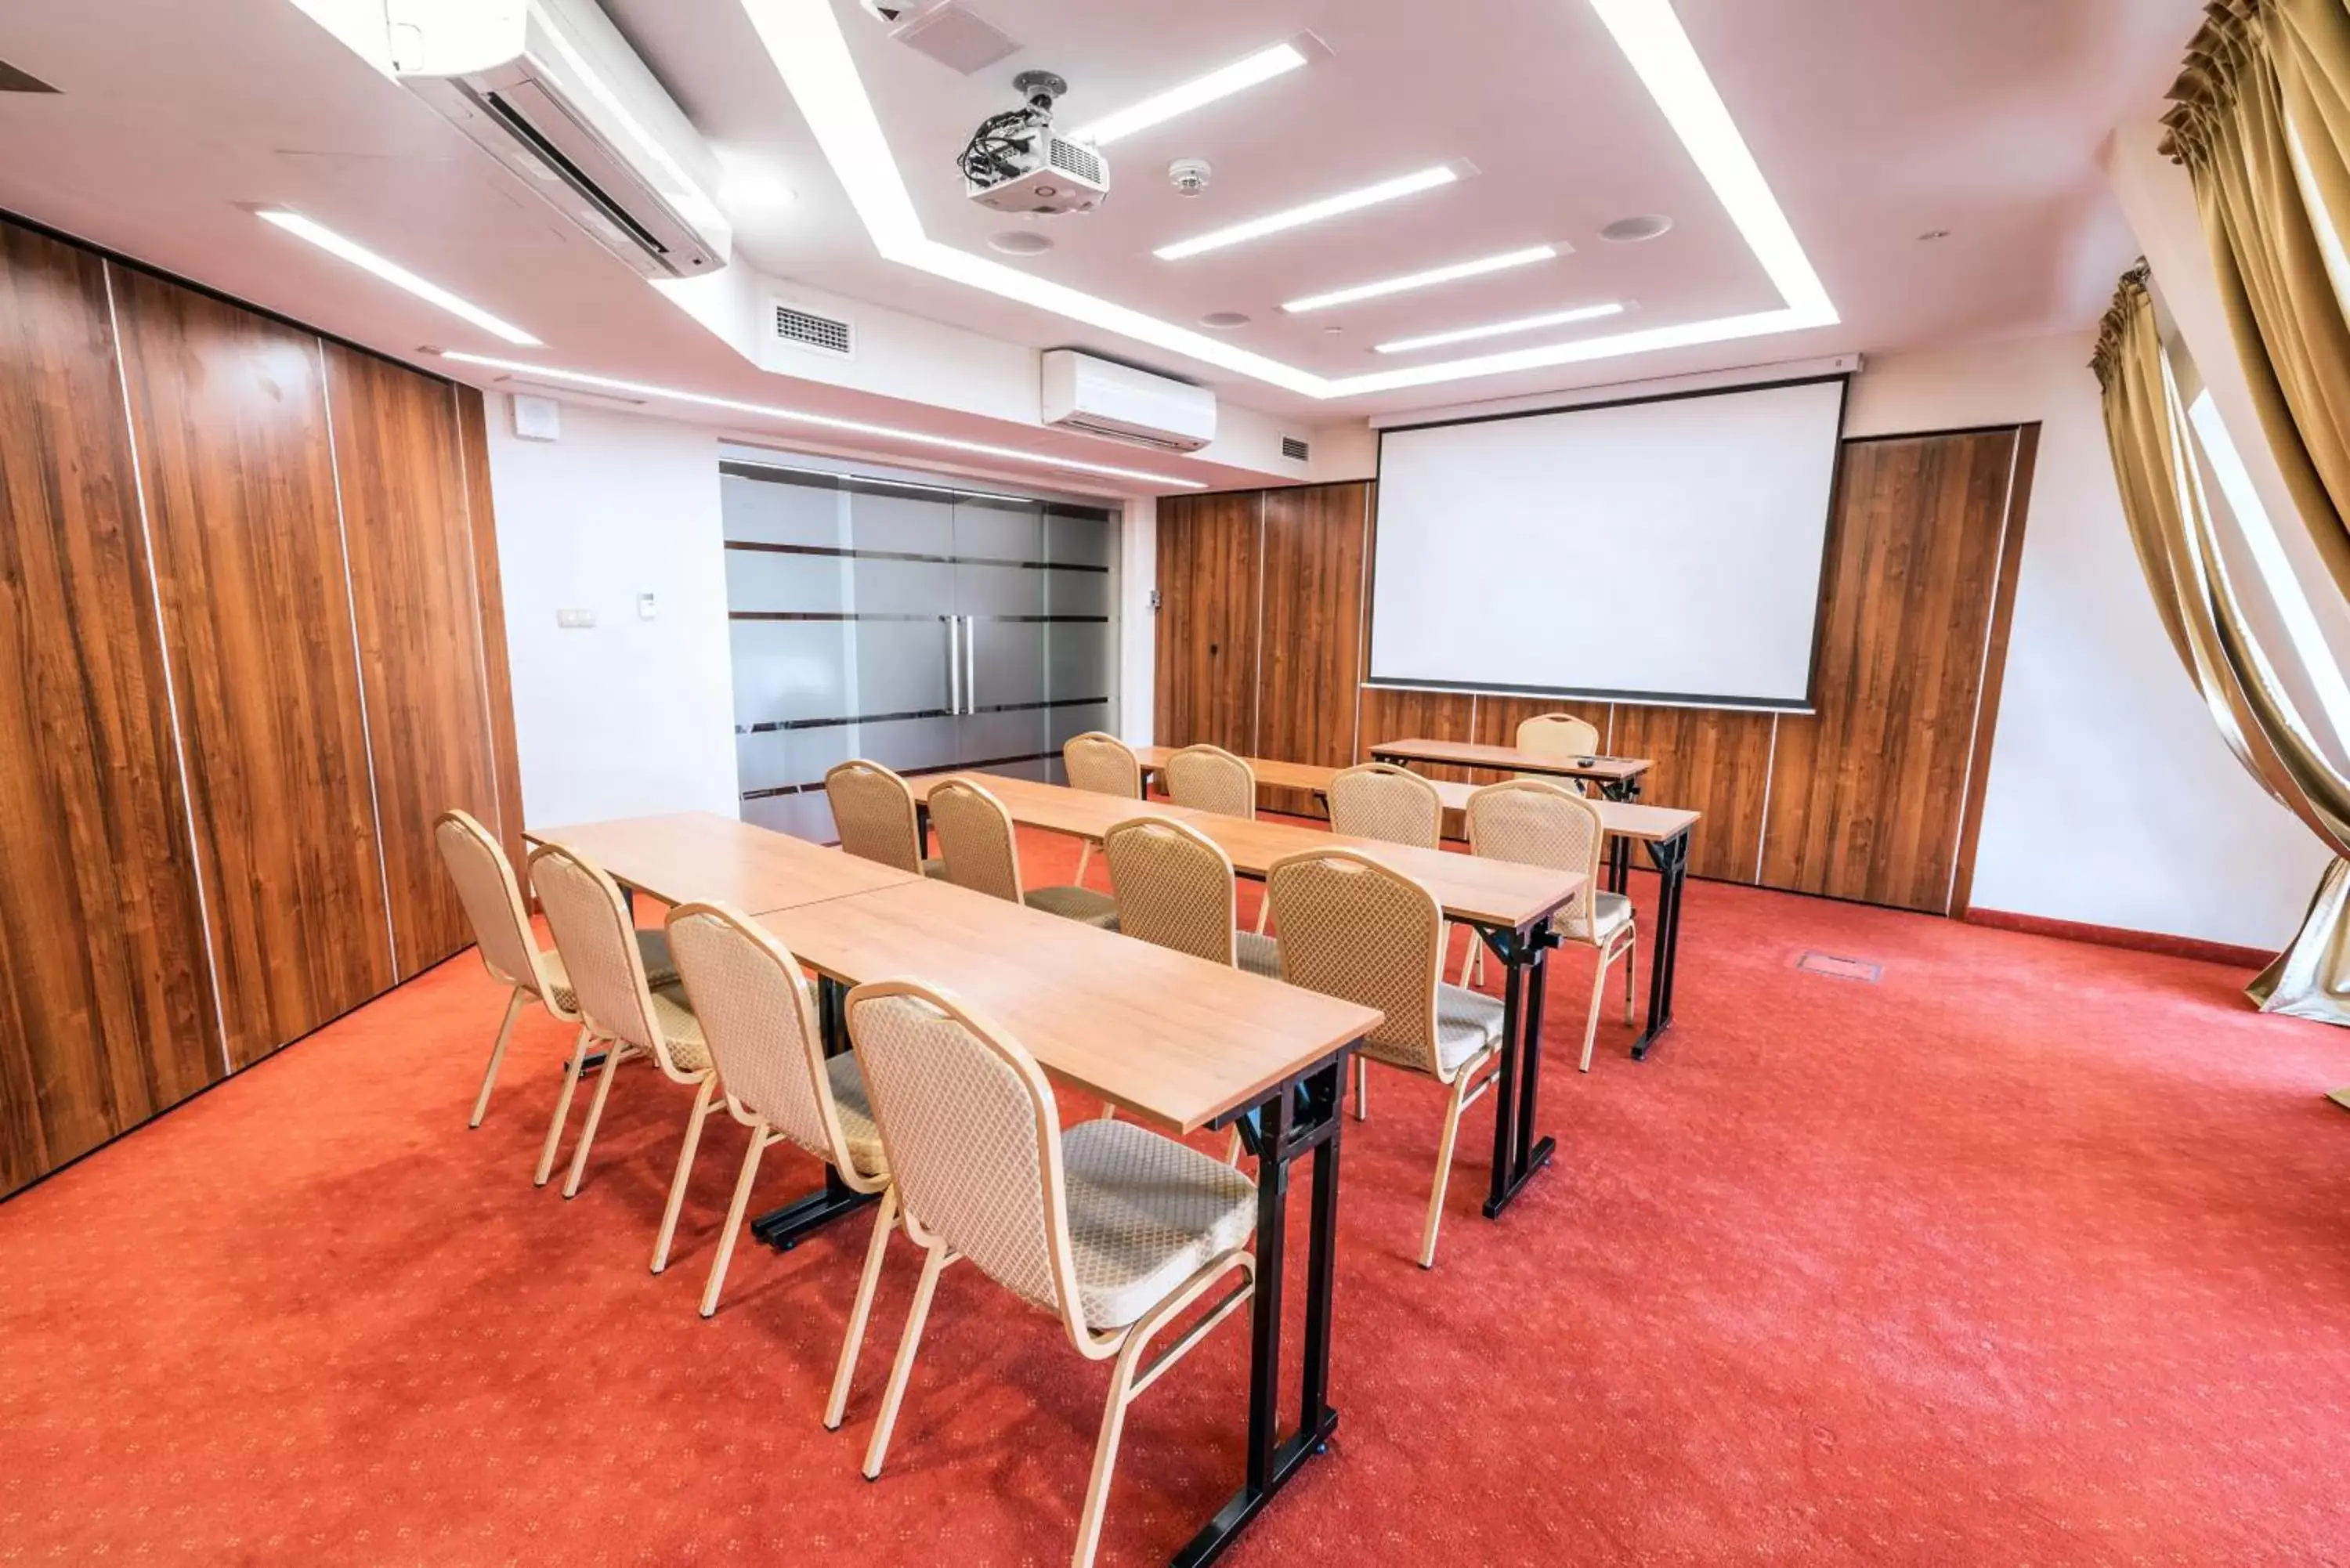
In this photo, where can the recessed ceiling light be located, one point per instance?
(1632, 230)
(392, 273)
(1020, 243)
(1199, 92)
(820, 421)
(1457, 270)
(1223, 320)
(1502, 328)
(1332, 331)
(1313, 212)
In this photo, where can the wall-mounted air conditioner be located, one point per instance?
(1101, 397)
(554, 91)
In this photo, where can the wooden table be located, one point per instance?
(1663, 831)
(1177, 1041)
(1509, 906)
(1618, 778)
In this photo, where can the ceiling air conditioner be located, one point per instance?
(1083, 393)
(552, 89)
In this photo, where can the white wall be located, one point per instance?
(1137, 623)
(2112, 800)
(632, 716)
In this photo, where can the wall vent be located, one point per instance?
(807, 329)
(14, 80)
(949, 33)
(1293, 449)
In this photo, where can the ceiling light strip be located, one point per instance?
(821, 421)
(1197, 93)
(391, 272)
(1434, 276)
(1500, 328)
(1346, 202)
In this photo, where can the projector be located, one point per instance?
(1016, 164)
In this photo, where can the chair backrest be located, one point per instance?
(1351, 927)
(972, 1138)
(1175, 888)
(1379, 800)
(1535, 822)
(760, 1026)
(492, 899)
(1210, 778)
(873, 811)
(1102, 764)
(599, 944)
(976, 838)
(1559, 735)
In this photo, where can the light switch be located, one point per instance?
(646, 608)
(575, 619)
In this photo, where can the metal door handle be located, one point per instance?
(954, 667)
(970, 664)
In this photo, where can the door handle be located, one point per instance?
(954, 665)
(970, 664)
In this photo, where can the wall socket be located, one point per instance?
(575, 619)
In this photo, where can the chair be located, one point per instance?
(1104, 765)
(760, 1025)
(1535, 823)
(619, 1006)
(1175, 888)
(1395, 806)
(1558, 735)
(502, 934)
(1210, 778)
(1116, 1229)
(1351, 927)
(983, 854)
(873, 811)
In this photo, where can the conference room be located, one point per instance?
(983, 782)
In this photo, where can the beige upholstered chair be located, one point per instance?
(1535, 823)
(1558, 735)
(510, 950)
(619, 1007)
(1103, 764)
(873, 812)
(1210, 778)
(1351, 927)
(1114, 1229)
(1379, 800)
(983, 854)
(1175, 888)
(760, 1025)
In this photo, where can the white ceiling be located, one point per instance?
(1873, 119)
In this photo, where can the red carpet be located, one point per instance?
(2031, 1254)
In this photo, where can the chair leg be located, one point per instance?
(1631, 973)
(562, 1110)
(685, 1154)
(1113, 1428)
(852, 1343)
(612, 1059)
(909, 1344)
(1362, 1090)
(1084, 858)
(1598, 994)
(1443, 1169)
(497, 1056)
(1264, 912)
(734, 1211)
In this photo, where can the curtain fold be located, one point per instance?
(2170, 526)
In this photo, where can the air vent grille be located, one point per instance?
(825, 334)
(1073, 158)
(1293, 449)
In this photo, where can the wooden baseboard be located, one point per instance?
(2121, 937)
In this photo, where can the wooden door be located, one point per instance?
(106, 1016)
(229, 415)
(1209, 553)
(1310, 663)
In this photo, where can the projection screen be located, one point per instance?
(1666, 551)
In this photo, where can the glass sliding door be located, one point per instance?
(922, 627)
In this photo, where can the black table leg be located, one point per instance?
(785, 1227)
(1517, 1154)
(1505, 1087)
(1287, 1129)
(1532, 1156)
(1671, 859)
(921, 830)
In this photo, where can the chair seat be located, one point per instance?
(1466, 1021)
(1145, 1214)
(856, 1124)
(1258, 955)
(660, 970)
(1076, 904)
(681, 1030)
(1611, 912)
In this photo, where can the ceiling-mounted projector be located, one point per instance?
(1014, 163)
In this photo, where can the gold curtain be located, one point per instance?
(2169, 523)
(2262, 120)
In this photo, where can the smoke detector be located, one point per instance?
(1189, 175)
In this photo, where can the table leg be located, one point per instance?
(785, 1227)
(1505, 1086)
(922, 832)
(1671, 859)
(1530, 1154)
(1517, 1154)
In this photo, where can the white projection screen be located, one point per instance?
(1668, 550)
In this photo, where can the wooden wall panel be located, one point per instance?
(1866, 798)
(104, 1013)
(230, 416)
(1390, 714)
(399, 469)
(1209, 587)
(1311, 661)
(473, 427)
(1713, 760)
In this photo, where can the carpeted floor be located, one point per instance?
(2030, 1253)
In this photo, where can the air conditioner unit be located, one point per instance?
(552, 89)
(1100, 398)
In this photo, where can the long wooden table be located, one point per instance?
(1664, 831)
(1178, 1042)
(1509, 906)
(1618, 778)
